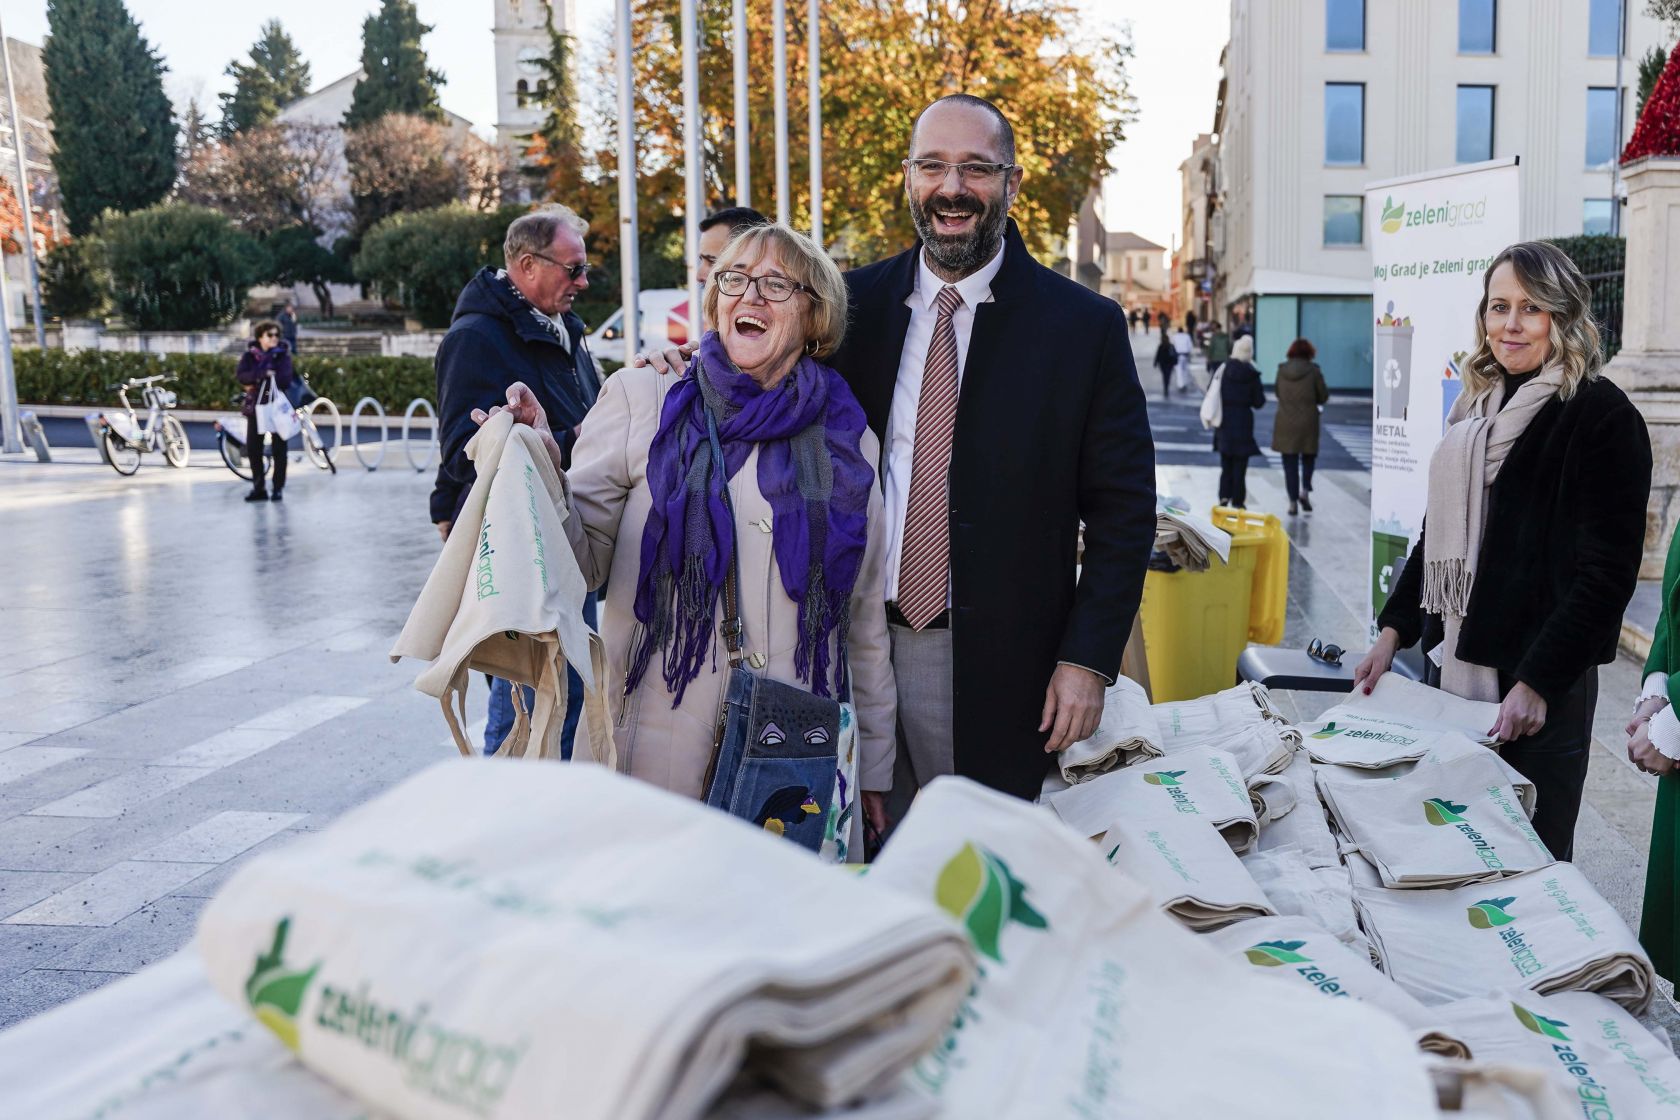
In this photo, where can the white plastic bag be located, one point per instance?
(275, 413)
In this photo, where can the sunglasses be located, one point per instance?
(574, 271)
(1327, 654)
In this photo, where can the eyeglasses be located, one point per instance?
(773, 288)
(935, 170)
(575, 271)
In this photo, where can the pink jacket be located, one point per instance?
(672, 747)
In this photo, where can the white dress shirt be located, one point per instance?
(1665, 726)
(976, 288)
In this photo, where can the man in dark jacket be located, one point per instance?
(1002, 647)
(516, 324)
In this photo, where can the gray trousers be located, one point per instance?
(922, 663)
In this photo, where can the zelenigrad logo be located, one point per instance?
(1495, 914)
(1163, 777)
(1330, 731)
(1396, 217)
(977, 889)
(1441, 812)
(1595, 1102)
(1277, 954)
(453, 1066)
(1169, 781)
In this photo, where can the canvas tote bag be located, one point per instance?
(275, 413)
(1188, 869)
(1201, 782)
(580, 943)
(1090, 1003)
(506, 598)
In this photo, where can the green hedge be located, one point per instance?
(207, 380)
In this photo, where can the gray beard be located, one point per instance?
(961, 256)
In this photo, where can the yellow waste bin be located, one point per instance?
(1195, 624)
(1271, 570)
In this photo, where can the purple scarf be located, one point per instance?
(812, 472)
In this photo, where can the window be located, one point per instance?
(1476, 19)
(1344, 123)
(1596, 215)
(1344, 219)
(521, 93)
(1344, 25)
(1143, 264)
(1475, 124)
(1604, 36)
(1601, 125)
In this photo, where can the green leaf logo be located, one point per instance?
(1393, 214)
(1330, 731)
(977, 889)
(1272, 954)
(1438, 810)
(1163, 777)
(1539, 1024)
(275, 992)
(1490, 912)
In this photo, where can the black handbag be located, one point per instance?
(775, 752)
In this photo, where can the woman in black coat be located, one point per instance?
(1166, 360)
(1535, 527)
(1240, 393)
(266, 356)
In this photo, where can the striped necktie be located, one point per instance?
(924, 565)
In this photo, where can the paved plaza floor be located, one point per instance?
(187, 680)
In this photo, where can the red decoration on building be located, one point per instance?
(1657, 133)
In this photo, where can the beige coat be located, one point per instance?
(610, 496)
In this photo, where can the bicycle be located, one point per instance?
(230, 440)
(124, 439)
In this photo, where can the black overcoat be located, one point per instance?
(1240, 393)
(1051, 430)
(1561, 549)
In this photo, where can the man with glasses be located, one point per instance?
(1004, 636)
(513, 324)
(1002, 647)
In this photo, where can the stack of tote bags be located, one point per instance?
(1187, 868)
(1241, 721)
(1090, 1003)
(492, 941)
(506, 598)
(1204, 783)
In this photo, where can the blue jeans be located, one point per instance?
(496, 728)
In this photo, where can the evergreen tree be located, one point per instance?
(395, 78)
(112, 121)
(275, 76)
(196, 132)
(1650, 69)
(557, 150)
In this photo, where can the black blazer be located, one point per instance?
(1051, 430)
(1561, 550)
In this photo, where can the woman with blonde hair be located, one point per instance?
(1533, 532)
(756, 459)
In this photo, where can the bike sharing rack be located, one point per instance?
(415, 407)
(378, 410)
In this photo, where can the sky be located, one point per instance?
(1175, 73)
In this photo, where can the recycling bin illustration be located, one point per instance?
(1394, 366)
(1389, 548)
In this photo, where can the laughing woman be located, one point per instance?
(803, 510)
(1534, 529)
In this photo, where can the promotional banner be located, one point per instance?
(1432, 237)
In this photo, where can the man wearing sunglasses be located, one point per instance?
(513, 324)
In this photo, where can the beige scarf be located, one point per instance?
(1461, 472)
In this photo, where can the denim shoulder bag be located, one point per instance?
(775, 752)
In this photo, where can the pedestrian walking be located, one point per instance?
(516, 324)
(1535, 528)
(1146, 319)
(991, 681)
(266, 356)
(1190, 324)
(1240, 394)
(1166, 360)
(1218, 346)
(1181, 348)
(1301, 393)
(1654, 746)
(795, 501)
(288, 324)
